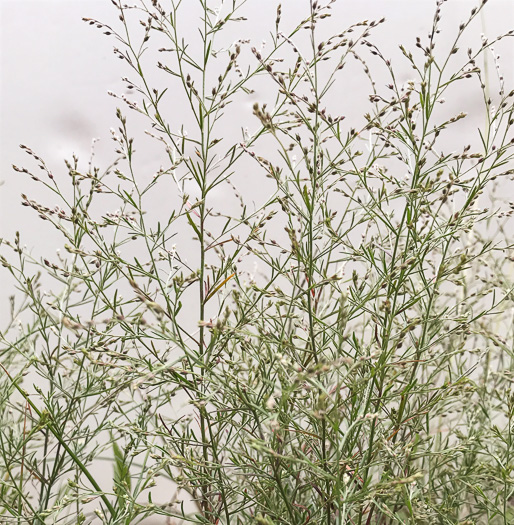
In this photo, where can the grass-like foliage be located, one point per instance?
(335, 348)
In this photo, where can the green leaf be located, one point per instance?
(121, 470)
(195, 228)
(306, 199)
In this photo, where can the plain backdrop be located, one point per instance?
(55, 71)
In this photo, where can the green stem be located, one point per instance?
(64, 445)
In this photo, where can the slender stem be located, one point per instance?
(64, 445)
